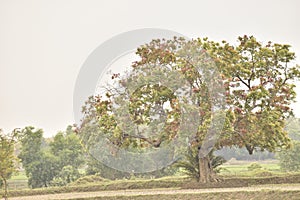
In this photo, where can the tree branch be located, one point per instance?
(154, 143)
(248, 86)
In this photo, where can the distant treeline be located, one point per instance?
(242, 154)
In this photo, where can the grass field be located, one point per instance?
(233, 174)
(19, 176)
(168, 182)
(240, 168)
(18, 181)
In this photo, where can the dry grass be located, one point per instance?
(262, 195)
(182, 182)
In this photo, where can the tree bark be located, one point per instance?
(5, 195)
(206, 173)
(203, 170)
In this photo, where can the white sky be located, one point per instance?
(44, 43)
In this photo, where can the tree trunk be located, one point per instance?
(203, 170)
(5, 195)
(206, 173)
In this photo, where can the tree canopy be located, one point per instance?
(8, 160)
(54, 163)
(232, 95)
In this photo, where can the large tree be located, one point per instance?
(8, 160)
(69, 152)
(255, 79)
(44, 162)
(67, 148)
(40, 166)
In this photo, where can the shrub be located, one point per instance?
(254, 166)
(66, 176)
(262, 173)
(190, 163)
(88, 179)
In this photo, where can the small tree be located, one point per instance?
(290, 158)
(7, 159)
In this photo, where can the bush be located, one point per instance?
(66, 176)
(190, 163)
(254, 166)
(88, 179)
(262, 173)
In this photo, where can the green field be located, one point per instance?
(241, 168)
(233, 174)
(19, 176)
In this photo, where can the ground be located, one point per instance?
(263, 190)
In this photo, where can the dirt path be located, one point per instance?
(283, 187)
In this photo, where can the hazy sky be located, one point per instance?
(43, 44)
